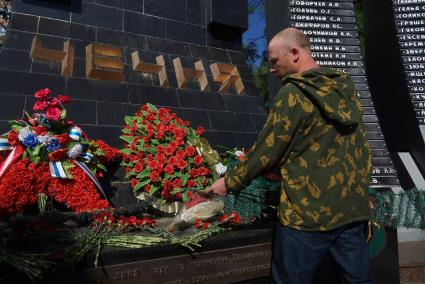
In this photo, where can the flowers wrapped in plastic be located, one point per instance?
(47, 156)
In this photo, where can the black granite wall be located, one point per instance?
(332, 29)
(207, 30)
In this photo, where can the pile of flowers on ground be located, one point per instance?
(162, 155)
(46, 155)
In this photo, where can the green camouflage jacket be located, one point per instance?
(314, 133)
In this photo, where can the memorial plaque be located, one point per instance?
(337, 55)
(322, 4)
(379, 161)
(417, 97)
(321, 11)
(411, 37)
(321, 18)
(419, 30)
(355, 72)
(417, 89)
(325, 26)
(413, 59)
(410, 23)
(333, 33)
(220, 266)
(330, 37)
(334, 48)
(418, 66)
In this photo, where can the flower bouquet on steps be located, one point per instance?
(46, 156)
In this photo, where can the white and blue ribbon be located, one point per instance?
(87, 156)
(56, 170)
(5, 145)
(91, 176)
(75, 133)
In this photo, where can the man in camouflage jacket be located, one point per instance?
(315, 135)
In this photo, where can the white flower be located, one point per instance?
(220, 168)
(239, 153)
(43, 139)
(23, 133)
(75, 151)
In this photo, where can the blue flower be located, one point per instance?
(30, 140)
(53, 145)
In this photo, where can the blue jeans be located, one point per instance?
(297, 254)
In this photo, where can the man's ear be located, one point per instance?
(295, 54)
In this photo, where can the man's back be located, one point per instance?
(327, 163)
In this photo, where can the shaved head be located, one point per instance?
(292, 37)
(289, 52)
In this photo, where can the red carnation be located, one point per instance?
(13, 138)
(198, 160)
(39, 106)
(169, 169)
(181, 164)
(191, 183)
(154, 176)
(57, 155)
(172, 160)
(53, 113)
(200, 131)
(139, 167)
(147, 188)
(53, 102)
(64, 99)
(43, 93)
(63, 138)
(190, 151)
(177, 183)
(39, 130)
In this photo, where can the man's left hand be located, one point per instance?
(218, 187)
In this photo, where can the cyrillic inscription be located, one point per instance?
(321, 18)
(344, 27)
(323, 4)
(225, 265)
(321, 11)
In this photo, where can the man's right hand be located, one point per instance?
(218, 187)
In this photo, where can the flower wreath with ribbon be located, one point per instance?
(48, 155)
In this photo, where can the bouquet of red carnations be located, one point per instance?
(47, 156)
(163, 155)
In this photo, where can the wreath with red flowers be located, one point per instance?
(161, 157)
(47, 156)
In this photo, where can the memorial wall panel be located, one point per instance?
(410, 24)
(334, 36)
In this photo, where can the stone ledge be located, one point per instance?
(412, 262)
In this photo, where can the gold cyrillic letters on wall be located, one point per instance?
(65, 57)
(104, 62)
(182, 74)
(227, 75)
(158, 68)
